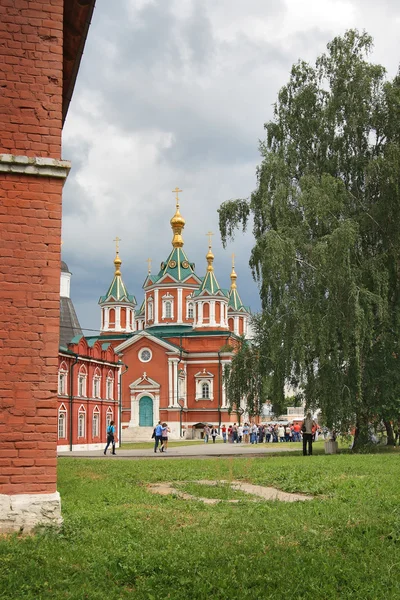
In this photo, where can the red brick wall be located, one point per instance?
(30, 225)
(31, 77)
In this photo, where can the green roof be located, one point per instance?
(235, 301)
(177, 266)
(210, 284)
(117, 292)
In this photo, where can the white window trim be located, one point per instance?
(82, 417)
(202, 378)
(62, 412)
(150, 309)
(82, 376)
(167, 298)
(62, 376)
(110, 386)
(189, 305)
(109, 416)
(140, 355)
(97, 380)
(96, 419)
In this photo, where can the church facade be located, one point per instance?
(175, 344)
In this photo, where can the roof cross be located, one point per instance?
(233, 260)
(149, 261)
(117, 240)
(177, 191)
(209, 234)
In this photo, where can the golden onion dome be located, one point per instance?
(117, 263)
(177, 223)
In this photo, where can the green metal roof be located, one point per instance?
(177, 266)
(235, 301)
(117, 292)
(211, 285)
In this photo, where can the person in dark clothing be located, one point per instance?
(110, 438)
(307, 431)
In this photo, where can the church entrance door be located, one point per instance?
(145, 412)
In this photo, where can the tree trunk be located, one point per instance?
(361, 435)
(390, 434)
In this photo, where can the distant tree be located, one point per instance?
(326, 216)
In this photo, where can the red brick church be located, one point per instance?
(173, 347)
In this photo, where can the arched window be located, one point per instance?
(96, 422)
(62, 422)
(168, 306)
(150, 310)
(205, 390)
(82, 422)
(204, 385)
(206, 310)
(109, 416)
(110, 386)
(82, 378)
(111, 318)
(190, 311)
(97, 384)
(62, 379)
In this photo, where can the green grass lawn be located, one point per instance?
(120, 541)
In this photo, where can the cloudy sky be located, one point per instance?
(176, 93)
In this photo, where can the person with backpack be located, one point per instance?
(157, 433)
(111, 438)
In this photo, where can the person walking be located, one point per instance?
(158, 436)
(307, 431)
(111, 439)
(214, 433)
(206, 434)
(164, 437)
(223, 431)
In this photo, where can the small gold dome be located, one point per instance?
(117, 263)
(177, 224)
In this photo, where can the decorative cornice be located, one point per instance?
(34, 165)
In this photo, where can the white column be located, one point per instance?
(118, 318)
(155, 308)
(156, 409)
(170, 383)
(223, 363)
(199, 314)
(185, 385)
(179, 312)
(175, 391)
(212, 312)
(106, 318)
(134, 422)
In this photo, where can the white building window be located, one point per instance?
(62, 379)
(110, 386)
(82, 378)
(189, 310)
(62, 422)
(205, 390)
(96, 422)
(96, 384)
(150, 315)
(168, 307)
(82, 422)
(204, 385)
(109, 416)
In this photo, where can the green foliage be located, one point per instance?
(327, 242)
(244, 380)
(120, 541)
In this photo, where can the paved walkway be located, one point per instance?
(191, 451)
